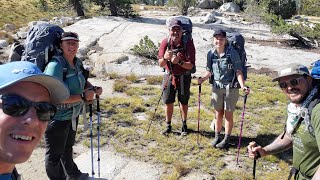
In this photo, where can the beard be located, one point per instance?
(296, 96)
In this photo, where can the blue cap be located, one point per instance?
(18, 71)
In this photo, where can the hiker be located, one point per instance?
(297, 84)
(61, 131)
(26, 106)
(177, 79)
(224, 95)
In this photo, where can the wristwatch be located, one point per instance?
(181, 62)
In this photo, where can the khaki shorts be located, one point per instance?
(219, 100)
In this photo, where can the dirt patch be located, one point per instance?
(284, 43)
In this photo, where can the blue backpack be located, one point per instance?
(235, 41)
(41, 44)
(187, 33)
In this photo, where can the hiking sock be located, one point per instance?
(216, 139)
(225, 142)
(168, 129)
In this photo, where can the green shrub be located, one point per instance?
(146, 48)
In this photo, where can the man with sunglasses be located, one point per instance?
(26, 106)
(299, 86)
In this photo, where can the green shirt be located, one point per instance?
(306, 155)
(73, 79)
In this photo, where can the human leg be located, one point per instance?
(183, 98)
(70, 166)
(217, 101)
(55, 138)
(230, 102)
(168, 98)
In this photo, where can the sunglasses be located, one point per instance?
(292, 82)
(14, 105)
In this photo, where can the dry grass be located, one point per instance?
(264, 120)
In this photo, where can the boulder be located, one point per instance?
(3, 43)
(229, 7)
(210, 18)
(207, 4)
(9, 27)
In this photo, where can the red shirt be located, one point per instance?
(186, 57)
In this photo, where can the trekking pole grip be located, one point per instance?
(98, 103)
(90, 110)
(245, 98)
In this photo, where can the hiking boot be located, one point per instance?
(167, 130)
(224, 143)
(184, 130)
(215, 140)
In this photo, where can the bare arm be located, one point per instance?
(277, 146)
(316, 176)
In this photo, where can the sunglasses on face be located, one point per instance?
(14, 105)
(292, 82)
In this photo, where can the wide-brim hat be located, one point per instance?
(18, 71)
(292, 69)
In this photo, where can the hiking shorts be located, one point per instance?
(220, 100)
(169, 92)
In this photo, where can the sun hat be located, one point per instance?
(18, 71)
(69, 36)
(292, 69)
(219, 32)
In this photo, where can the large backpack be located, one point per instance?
(41, 44)
(187, 33)
(235, 41)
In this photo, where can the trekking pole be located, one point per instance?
(199, 114)
(98, 129)
(254, 144)
(91, 137)
(155, 110)
(244, 109)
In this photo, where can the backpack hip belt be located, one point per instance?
(66, 106)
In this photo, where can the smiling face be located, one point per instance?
(176, 34)
(20, 135)
(297, 87)
(69, 48)
(219, 41)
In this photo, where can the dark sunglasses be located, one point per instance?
(292, 82)
(14, 105)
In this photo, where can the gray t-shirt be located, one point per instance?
(223, 68)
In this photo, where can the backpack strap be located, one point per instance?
(64, 65)
(15, 175)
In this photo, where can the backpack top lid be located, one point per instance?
(186, 23)
(315, 72)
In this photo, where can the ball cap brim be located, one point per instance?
(292, 69)
(19, 71)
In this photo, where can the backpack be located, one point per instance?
(41, 44)
(235, 41)
(186, 35)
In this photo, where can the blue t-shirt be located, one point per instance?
(73, 79)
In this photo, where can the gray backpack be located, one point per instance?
(41, 44)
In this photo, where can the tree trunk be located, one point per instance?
(113, 8)
(77, 7)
